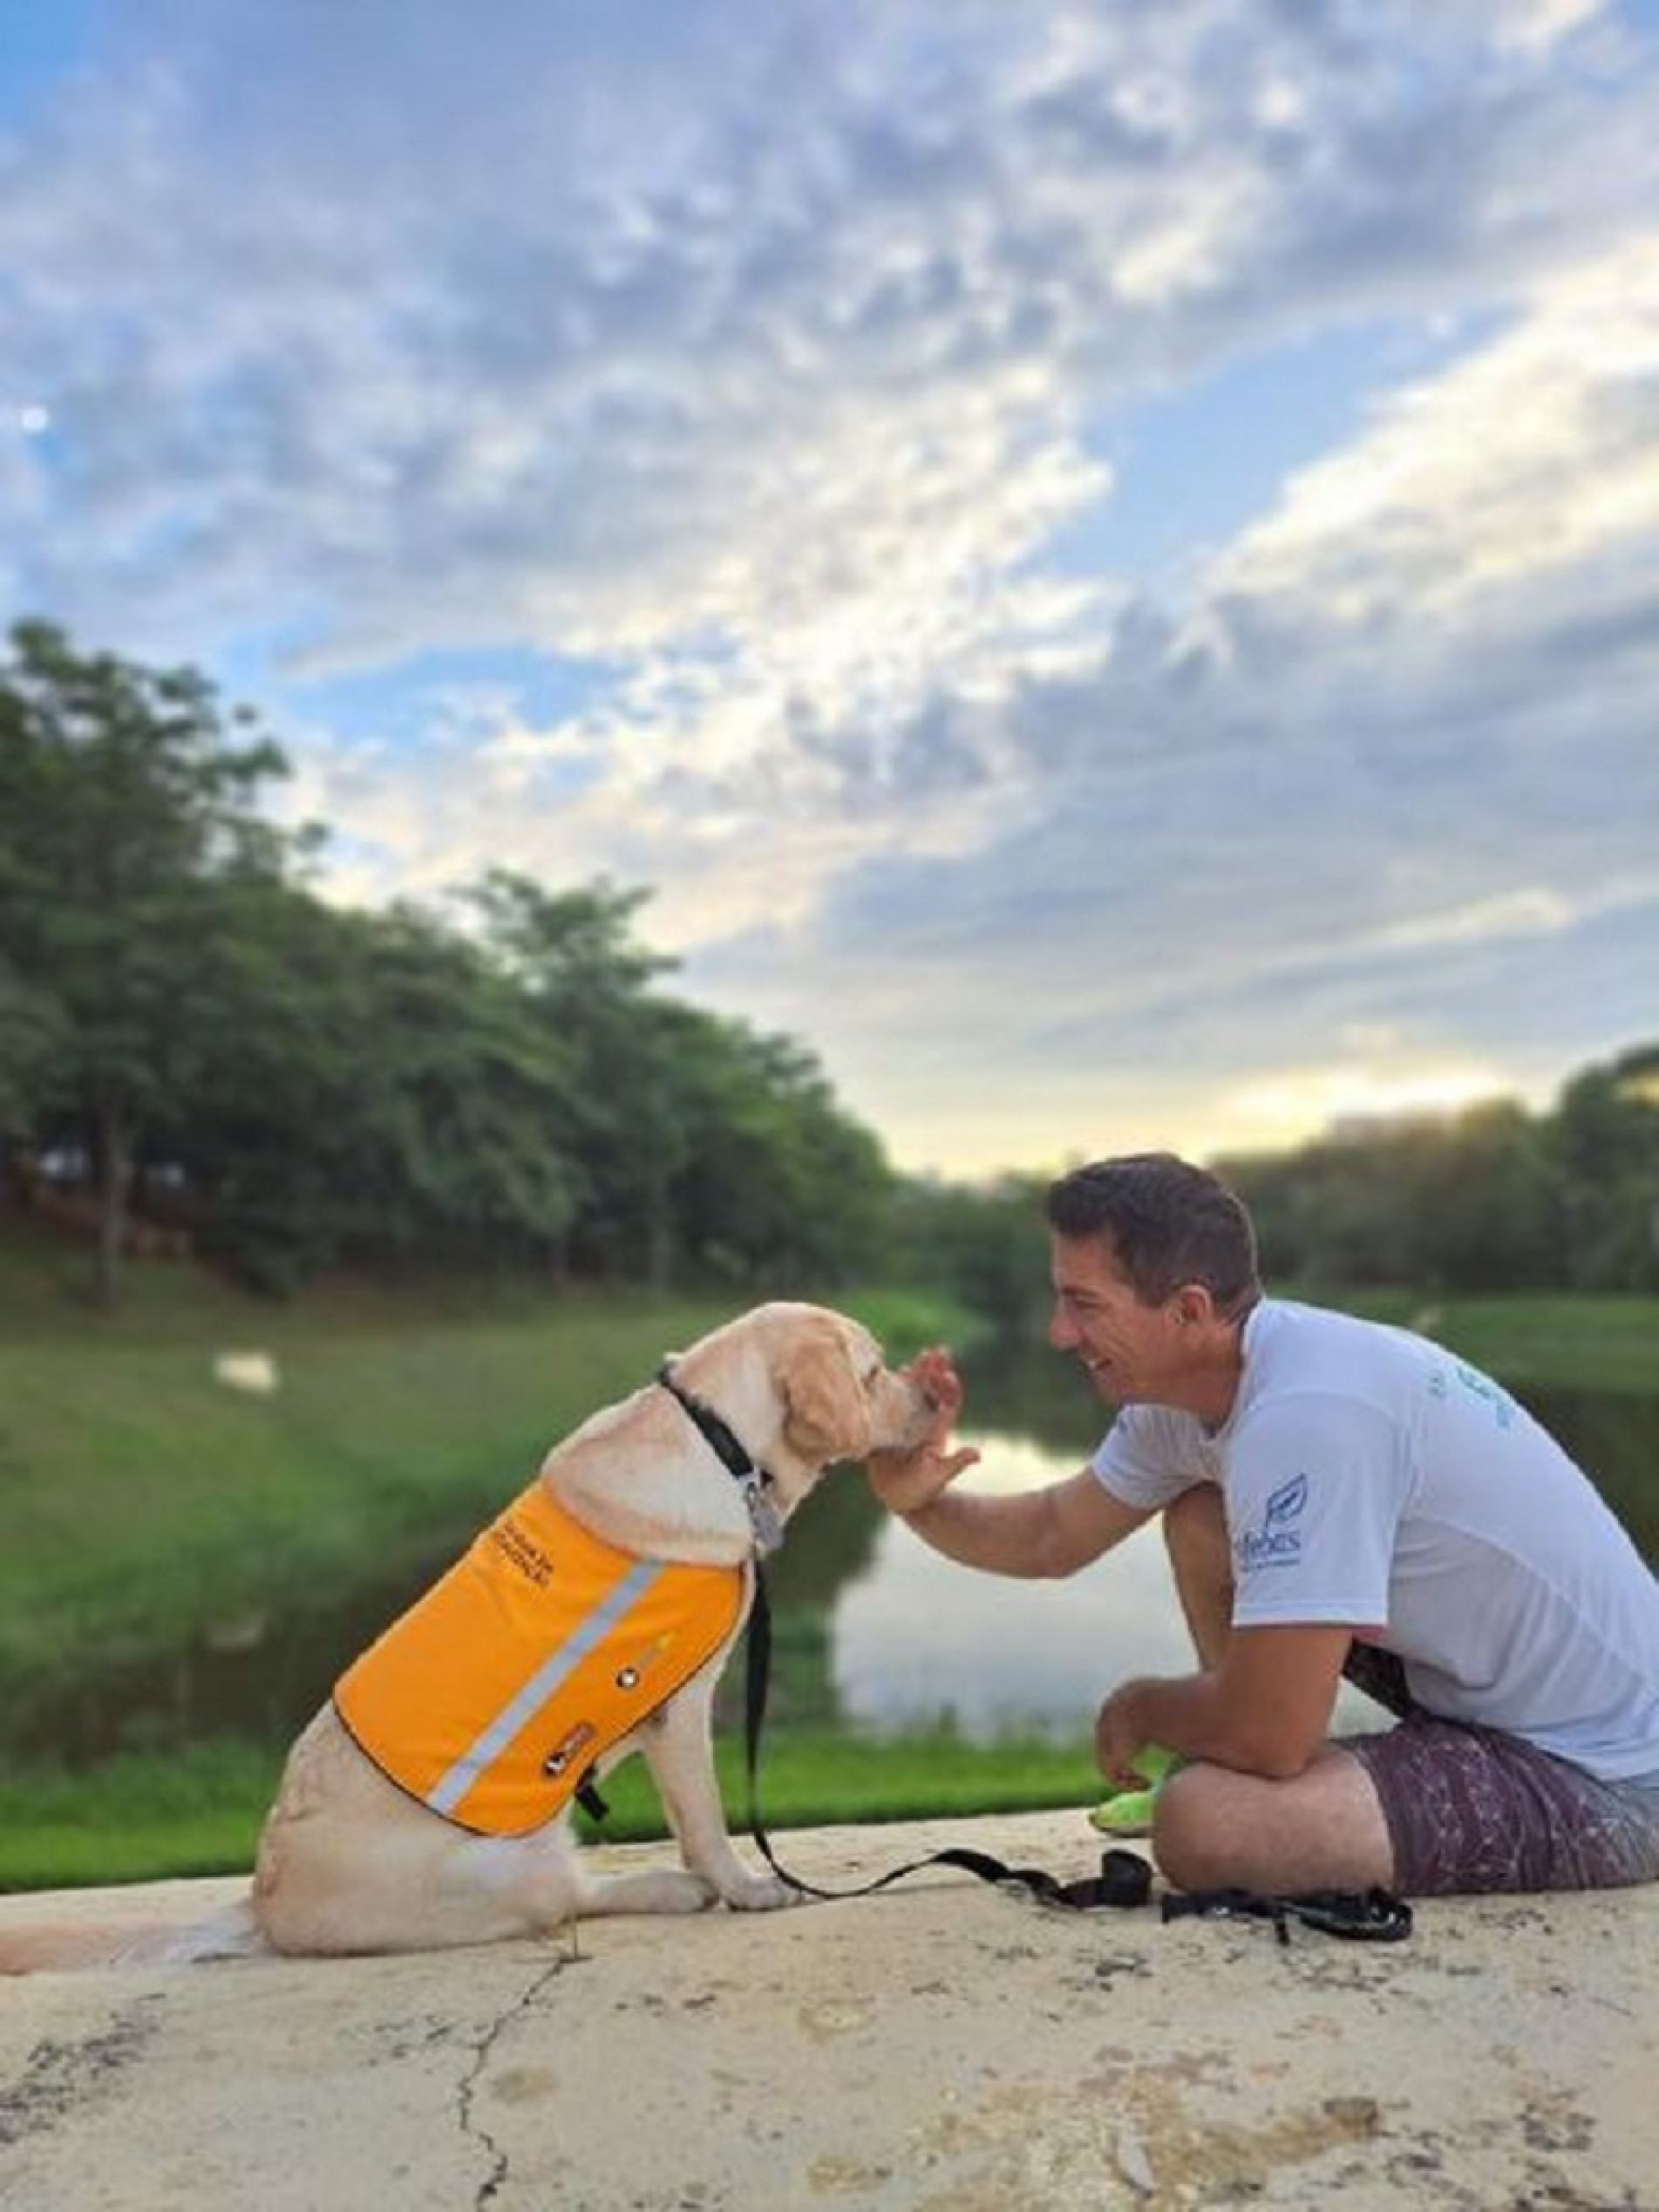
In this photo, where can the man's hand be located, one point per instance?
(906, 1481)
(1263, 1711)
(1121, 1732)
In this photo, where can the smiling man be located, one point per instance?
(1338, 1498)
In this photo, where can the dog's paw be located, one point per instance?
(684, 1893)
(759, 1893)
(665, 1889)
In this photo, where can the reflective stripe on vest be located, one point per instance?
(538, 1651)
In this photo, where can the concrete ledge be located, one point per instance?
(941, 2047)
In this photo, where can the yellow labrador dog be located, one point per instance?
(428, 1803)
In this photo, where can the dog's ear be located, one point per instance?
(828, 1409)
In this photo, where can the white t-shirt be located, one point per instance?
(1373, 1480)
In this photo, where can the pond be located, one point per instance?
(873, 1632)
(916, 1639)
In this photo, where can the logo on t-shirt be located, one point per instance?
(1278, 1542)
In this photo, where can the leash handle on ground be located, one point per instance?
(1363, 1916)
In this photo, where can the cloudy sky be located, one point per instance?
(1101, 561)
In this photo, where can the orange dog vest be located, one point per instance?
(490, 1699)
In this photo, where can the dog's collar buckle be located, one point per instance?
(764, 1524)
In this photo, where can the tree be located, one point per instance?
(1492, 1199)
(126, 817)
(985, 1243)
(584, 979)
(392, 1094)
(32, 1037)
(777, 1186)
(1604, 1141)
(1487, 1203)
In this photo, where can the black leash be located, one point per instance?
(1364, 1916)
(1125, 1878)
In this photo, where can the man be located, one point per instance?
(1336, 1496)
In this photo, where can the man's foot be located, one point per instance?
(1130, 1812)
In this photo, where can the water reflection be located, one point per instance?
(917, 1640)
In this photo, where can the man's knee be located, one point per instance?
(1190, 1830)
(1215, 1828)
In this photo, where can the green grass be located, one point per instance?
(1548, 1342)
(142, 1502)
(808, 1778)
(145, 1817)
(139, 1817)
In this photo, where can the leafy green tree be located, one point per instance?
(988, 1243)
(127, 820)
(1493, 1199)
(1487, 1203)
(1458, 1203)
(32, 1037)
(469, 1124)
(1341, 1212)
(587, 982)
(394, 1098)
(777, 1187)
(1604, 1141)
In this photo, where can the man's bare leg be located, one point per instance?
(1216, 1829)
(1324, 1830)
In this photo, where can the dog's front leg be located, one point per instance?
(679, 1750)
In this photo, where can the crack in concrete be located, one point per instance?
(466, 2094)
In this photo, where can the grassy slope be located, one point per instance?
(1601, 1343)
(141, 1500)
(142, 1497)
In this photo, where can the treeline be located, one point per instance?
(195, 1043)
(192, 1041)
(1492, 1199)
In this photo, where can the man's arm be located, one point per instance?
(1264, 1710)
(1051, 1531)
(1048, 1532)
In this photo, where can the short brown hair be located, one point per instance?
(1168, 1223)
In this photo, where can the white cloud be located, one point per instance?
(763, 372)
(1537, 451)
(1295, 1100)
(1531, 24)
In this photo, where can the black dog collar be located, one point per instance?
(756, 1483)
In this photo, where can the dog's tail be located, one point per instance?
(64, 1945)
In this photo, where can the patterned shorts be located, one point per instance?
(1475, 1809)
